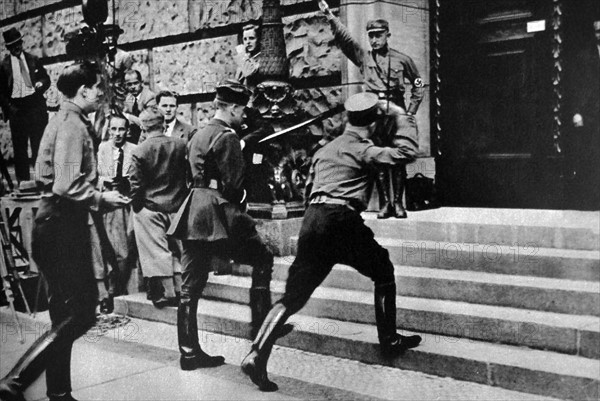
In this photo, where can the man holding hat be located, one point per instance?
(158, 187)
(333, 232)
(212, 222)
(23, 81)
(384, 71)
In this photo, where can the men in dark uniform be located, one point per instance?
(212, 223)
(384, 70)
(23, 81)
(60, 238)
(334, 232)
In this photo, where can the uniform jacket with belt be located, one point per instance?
(181, 130)
(158, 174)
(37, 73)
(375, 74)
(217, 168)
(345, 167)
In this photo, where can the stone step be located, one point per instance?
(577, 335)
(510, 367)
(491, 258)
(536, 293)
(563, 229)
(300, 374)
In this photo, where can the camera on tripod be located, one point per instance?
(97, 39)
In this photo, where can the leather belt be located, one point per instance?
(329, 200)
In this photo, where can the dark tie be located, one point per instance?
(136, 108)
(120, 164)
(24, 73)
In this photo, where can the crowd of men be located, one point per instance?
(170, 197)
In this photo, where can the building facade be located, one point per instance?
(495, 124)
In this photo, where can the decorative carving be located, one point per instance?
(277, 168)
(557, 73)
(436, 77)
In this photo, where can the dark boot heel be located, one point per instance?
(398, 195)
(9, 391)
(187, 362)
(398, 345)
(257, 374)
(386, 212)
(255, 363)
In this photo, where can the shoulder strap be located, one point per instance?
(217, 137)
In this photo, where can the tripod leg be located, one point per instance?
(11, 302)
(5, 173)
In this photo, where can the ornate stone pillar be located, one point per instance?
(275, 179)
(557, 73)
(436, 80)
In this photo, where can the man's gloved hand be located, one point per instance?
(251, 140)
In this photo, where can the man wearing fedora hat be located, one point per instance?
(23, 81)
(385, 71)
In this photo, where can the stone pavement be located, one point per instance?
(139, 361)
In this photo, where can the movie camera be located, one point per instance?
(96, 39)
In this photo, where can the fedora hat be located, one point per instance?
(12, 36)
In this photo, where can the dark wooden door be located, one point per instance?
(496, 146)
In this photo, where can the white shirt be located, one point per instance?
(170, 127)
(19, 88)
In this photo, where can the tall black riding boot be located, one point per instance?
(31, 365)
(399, 174)
(384, 180)
(260, 306)
(255, 363)
(392, 344)
(192, 355)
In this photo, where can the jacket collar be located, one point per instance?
(155, 134)
(70, 106)
(216, 121)
(356, 132)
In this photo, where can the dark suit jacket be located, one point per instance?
(158, 174)
(37, 73)
(181, 130)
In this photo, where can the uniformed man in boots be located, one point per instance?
(60, 239)
(333, 231)
(213, 225)
(384, 71)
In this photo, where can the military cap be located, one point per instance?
(12, 36)
(362, 108)
(151, 117)
(232, 91)
(378, 25)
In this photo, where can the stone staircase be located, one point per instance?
(507, 298)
